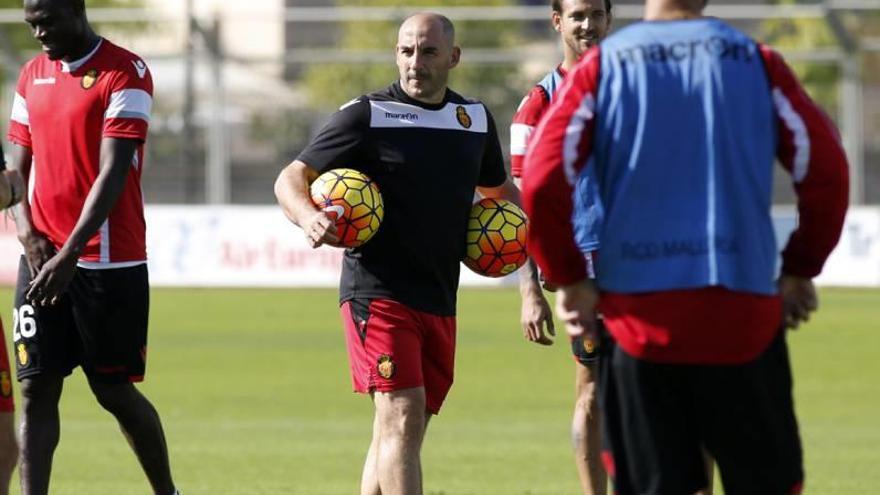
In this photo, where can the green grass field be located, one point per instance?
(254, 392)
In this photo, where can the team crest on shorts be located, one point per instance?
(5, 384)
(589, 346)
(89, 79)
(386, 366)
(23, 357)
(463, 118)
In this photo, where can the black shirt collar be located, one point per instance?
(399, 94)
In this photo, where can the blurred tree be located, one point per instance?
(822, 79)
(16, 40)
(332, 84)
(819, 79)
(868, 25)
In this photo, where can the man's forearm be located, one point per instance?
(103, 195)
(529, 283)
(292, 192)
(98, 205)
(22, 159)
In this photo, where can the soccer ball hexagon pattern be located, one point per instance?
(496, 238)
(353, 201)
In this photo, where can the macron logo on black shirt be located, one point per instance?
(401, 116)
(452, 117)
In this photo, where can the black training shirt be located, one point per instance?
(427, 161)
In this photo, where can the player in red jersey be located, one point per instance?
(683, 117)
(79, 121)
(11, 192)
(580, 24)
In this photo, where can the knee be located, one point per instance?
(579, 434)
(404, 424)
(587, 403)
(39, 394)
(113, 398)
(403, 419)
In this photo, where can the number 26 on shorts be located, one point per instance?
(24, 325)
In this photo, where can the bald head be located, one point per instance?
(424, 22)
(426, 52)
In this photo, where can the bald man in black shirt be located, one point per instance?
(428, 149)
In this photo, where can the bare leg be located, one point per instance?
(370, 478)
(140, 424)
(40, 430)
(401, 420)
(8, 450)
(586, 432)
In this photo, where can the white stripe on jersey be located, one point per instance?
(387, 114)
(129, 104)
(19, 110)
(96, 265)
(32, 180)
(519, 138)
(798, 129)
(573, 136)
(104, 233)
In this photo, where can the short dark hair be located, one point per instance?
(77, 7)
(556, 5)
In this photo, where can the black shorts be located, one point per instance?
(586, 351)
(658, 417)
(100, 323)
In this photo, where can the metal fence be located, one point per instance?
(240, 90)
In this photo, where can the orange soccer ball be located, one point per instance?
(353, 200)
(496, 238)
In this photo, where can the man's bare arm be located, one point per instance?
(292, 192)
(535, 310)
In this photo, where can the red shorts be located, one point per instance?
(6, 402)
(393, 347)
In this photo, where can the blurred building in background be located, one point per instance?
(242, 85)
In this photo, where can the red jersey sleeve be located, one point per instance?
(19, 121)
(557, 152)
(526, 118)
(129, 101)
(810, 150)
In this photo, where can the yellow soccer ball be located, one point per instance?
(353, 201)
(496, 238)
